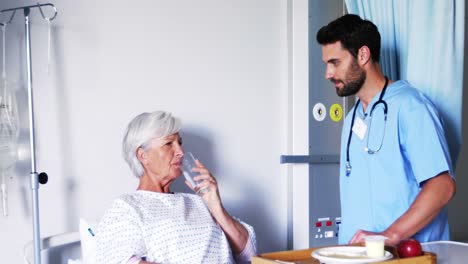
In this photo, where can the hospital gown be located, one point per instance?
(164, 228)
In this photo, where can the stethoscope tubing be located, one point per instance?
(380, 101)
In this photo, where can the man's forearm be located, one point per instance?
(435, 194)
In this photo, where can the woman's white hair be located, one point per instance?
(141, 130)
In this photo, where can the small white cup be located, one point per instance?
(375, 246)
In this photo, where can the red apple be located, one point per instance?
(409, 248)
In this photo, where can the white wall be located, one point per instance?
(221, 66)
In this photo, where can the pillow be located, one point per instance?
(88, 242)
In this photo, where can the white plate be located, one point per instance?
(347, 254)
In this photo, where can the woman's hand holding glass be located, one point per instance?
(206, 187)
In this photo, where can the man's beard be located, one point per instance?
(353, 83)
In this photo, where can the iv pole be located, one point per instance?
(35, 177)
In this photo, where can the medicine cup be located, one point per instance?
(375, 245)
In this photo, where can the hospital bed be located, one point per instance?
(58, 249)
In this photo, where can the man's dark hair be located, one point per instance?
(353, 32)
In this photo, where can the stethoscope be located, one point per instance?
(367, 149)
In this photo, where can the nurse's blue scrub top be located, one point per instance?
(382, 186)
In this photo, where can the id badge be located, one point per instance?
(360, 128)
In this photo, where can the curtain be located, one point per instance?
(422, 42)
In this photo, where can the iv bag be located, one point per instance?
(9, 127)
(9, 131)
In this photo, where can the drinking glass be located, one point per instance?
(188, 163)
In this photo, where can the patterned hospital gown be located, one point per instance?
(164, 228)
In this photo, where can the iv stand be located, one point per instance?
(35, 177)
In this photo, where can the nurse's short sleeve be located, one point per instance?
(422, 139)
(119, 236)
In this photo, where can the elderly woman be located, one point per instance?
(154, 225)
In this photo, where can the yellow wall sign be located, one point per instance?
(336, 112)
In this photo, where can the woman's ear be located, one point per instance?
(141, 155)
